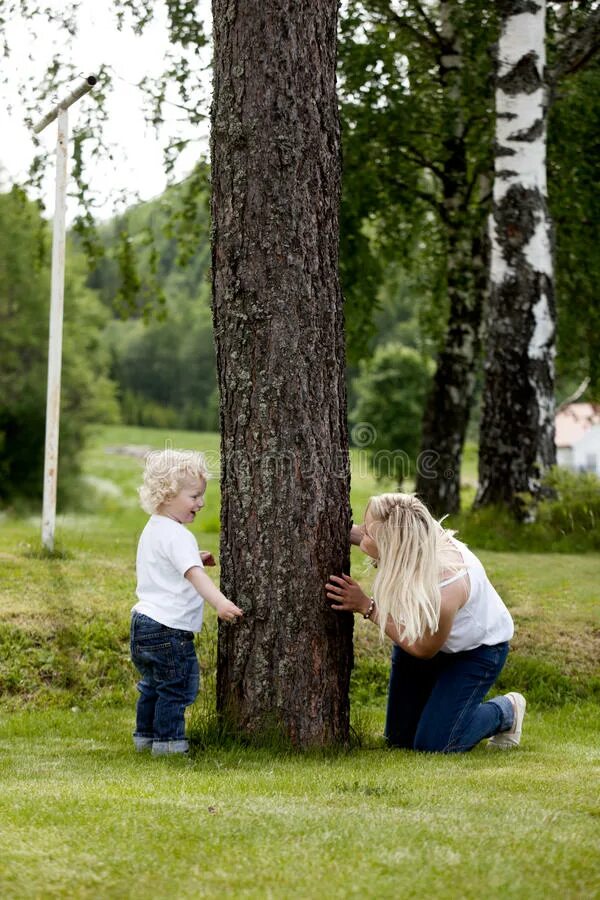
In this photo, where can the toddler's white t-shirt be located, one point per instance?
(166, 550)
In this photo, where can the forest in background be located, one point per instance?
(142, 349)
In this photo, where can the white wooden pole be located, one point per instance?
(55, 338)
(56, 307)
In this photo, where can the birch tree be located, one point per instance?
(517, 428)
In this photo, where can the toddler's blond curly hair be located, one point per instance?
(165, 474)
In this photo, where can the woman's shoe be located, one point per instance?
(505, 740)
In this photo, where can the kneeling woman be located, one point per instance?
(450, 629)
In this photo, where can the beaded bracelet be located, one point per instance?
(369, 612)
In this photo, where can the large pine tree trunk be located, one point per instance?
(517, 427)
(278, 322)
(448, 407)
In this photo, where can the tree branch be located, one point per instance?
(414, 155)
(481, 168)
(574, 396)
(578, 49)
(429, 198)
(385, 8)
(430, 24)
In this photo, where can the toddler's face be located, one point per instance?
(189, 501)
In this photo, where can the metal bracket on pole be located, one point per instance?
(56, 308)
(72, 98)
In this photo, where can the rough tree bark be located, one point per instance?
(517, 427)
(447, 411)
(278, 323)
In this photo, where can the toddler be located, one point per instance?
(171, 589)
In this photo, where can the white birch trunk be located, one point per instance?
(517, 430)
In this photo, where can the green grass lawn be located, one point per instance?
(82, 816)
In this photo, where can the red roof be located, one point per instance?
(573, 421)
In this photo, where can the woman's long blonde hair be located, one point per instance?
(413, 551)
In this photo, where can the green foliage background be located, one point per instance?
(160, 334)
(390, 393)
(88, 395)
(573, 179)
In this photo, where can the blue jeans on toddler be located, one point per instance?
(166, 659)
(436, 704)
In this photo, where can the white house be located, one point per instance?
(578, 437)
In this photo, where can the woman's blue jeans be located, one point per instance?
(436, 704)
(166, 660)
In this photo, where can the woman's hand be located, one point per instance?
(348, 594)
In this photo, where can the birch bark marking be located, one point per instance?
(448, 407)
(517, 428)
(280, 355)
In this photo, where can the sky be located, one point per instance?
(137, 165)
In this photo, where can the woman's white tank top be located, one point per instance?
(484, 619)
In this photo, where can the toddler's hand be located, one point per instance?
(347, 593)
(228, 611)
(207, 558)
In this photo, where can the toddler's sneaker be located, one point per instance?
(504, 740)
(142, 743)
(167, 748)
